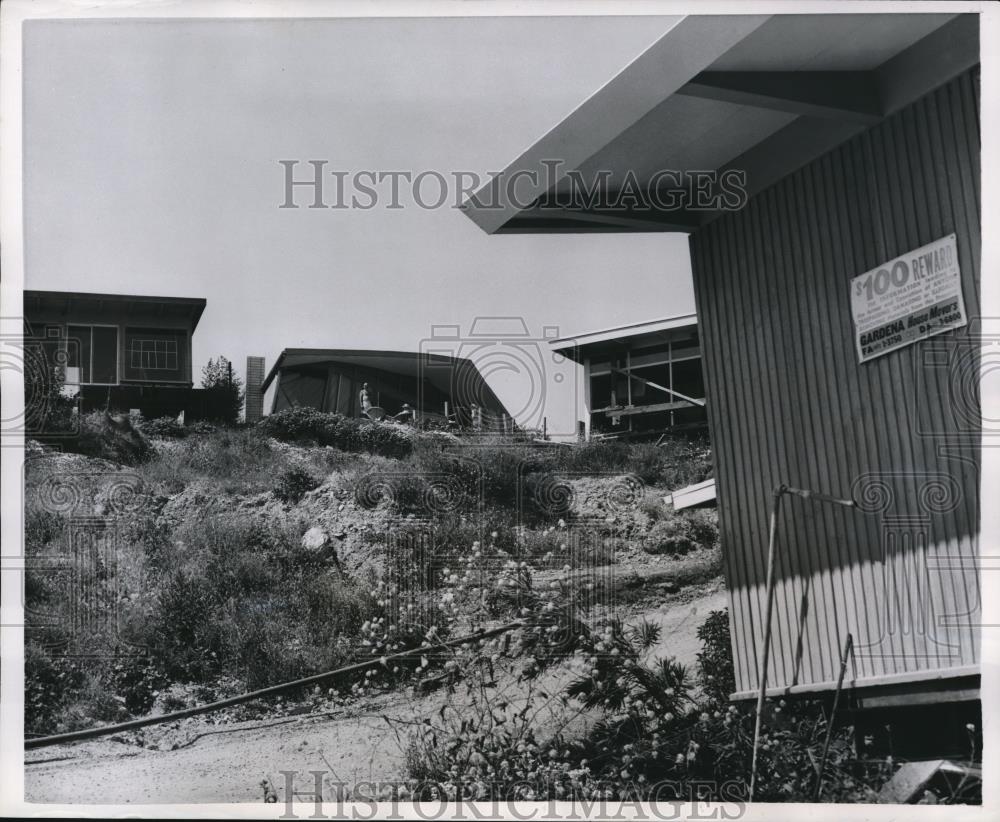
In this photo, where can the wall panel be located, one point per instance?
(788, 402)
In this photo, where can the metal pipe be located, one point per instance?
(848, 647)
(91, 733)
(685, 397)
(779, 492)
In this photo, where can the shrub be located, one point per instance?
(715, 660)
(96, 437)
(304, 424)
(669, 536)
(655, 738)
(674, 463)
(163, 427)
(137, 681)
(180, 635)
(293, 484)
(50, 682)
(703, 526)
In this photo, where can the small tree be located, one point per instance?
(219, 377)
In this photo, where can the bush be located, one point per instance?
(673, 463)
(656, 738)
(167, 427)
(96, 437)
(669, 536)
(294, 483)
(309, 425)
(703, 525)
(137, 681)
(50, 682)
(715, 660)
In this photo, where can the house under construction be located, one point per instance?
(641, 380)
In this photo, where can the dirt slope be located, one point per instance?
(362, 742)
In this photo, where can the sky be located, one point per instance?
(151, 154)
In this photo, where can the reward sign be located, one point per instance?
(910, 298)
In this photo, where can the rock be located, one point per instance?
(315, 539)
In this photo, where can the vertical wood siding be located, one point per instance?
(788, 402)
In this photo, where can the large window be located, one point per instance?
(93, 350)
(146, 353)
(156, 355)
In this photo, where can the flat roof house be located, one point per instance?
(119, 350)
(834, 226)
(640, 380)
(434, 385)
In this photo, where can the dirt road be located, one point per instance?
(197, 761)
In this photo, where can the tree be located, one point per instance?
(219, 378)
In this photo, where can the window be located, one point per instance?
(93, 349)
(156, 354)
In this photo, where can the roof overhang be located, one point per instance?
(576, 347)
(65, 302)
(440, 370)
(717, 107)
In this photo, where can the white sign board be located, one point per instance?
(910, 298)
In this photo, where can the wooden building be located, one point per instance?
(435, 386)
(120, 351)
(641, 380)
(851, 142)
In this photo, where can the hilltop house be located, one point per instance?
(119, 351)
(640, 380)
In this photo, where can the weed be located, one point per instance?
(293, 484)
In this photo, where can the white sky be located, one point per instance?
(150, 158)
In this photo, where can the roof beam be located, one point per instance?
(624, 219)
(931, 62)
(841, 95)
(690, 47)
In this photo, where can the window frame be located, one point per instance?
(184, 367)
(132, 353)
(90, 364)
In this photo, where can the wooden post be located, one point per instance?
(545, 428)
